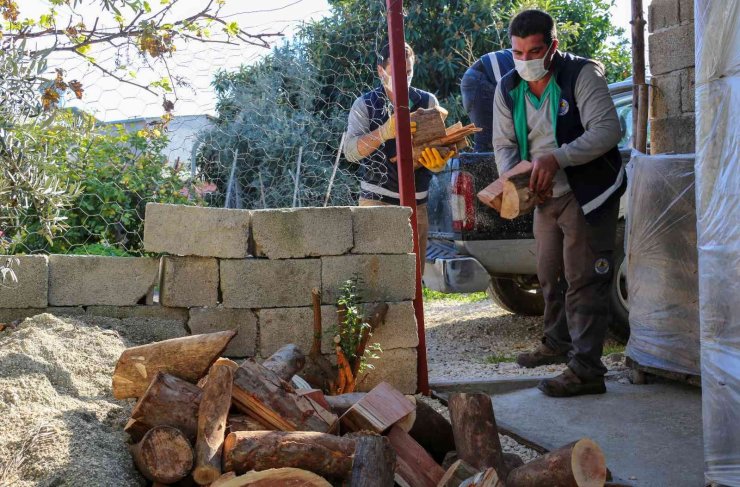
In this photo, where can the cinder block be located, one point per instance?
(673, 135)
(398, 330)
(262, 283)
(666, 99)
(688, 91)
(672, 49)
(187, 282)
(382, 230)
(396, 367)
(82, 280)
(244, 321)
(32, 274)
(192, 230)
(281, 326)
(382, 277)
(662, 14)
(65, 310)
(124, 312)
(8, 315)
(686, 10)
(302, 232)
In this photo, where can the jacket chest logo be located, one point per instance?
(563, 107)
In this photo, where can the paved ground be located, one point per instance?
(651, 434)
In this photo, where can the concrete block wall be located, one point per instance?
(671, 59)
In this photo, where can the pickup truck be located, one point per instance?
(472, 249)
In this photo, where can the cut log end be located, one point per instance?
(163, 455)
(588, 464)
(287, 477)
(206, 474)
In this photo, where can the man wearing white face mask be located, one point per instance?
(555, 110)
(371, 141)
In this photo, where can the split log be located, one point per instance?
(578, 464)
(457, 474)
(432, 431)
(475, 431)
(220, 361)
(414, 466)
(187, 358)
(242, 422)
(286, 477)
(407, 422)
(168, 401)
(212, 413)
(492, 194)
(223, 479)
(315, 394)
(430, 124)
(286, 362)
(488, 478)
(374, 462)
(380, 409)
(321, 453)
(163, 455)
(340, 403)
(517, 199)
(261, 394)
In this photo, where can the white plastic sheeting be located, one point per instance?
(718, 231)
(662, 263)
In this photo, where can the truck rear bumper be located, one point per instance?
(447, 271)
(502, 257)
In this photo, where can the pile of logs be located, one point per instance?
(510, 194)
(201, 419)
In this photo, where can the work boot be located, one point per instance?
(542, 355)
(569, 384)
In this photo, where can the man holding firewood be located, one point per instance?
(555, 110)
(371, 141)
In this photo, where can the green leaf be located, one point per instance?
(232, 28)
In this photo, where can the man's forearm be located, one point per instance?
(369, 143)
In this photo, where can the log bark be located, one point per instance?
(487, 478)
(512, 461)
(374, 462)
(432, 431)
(223, 479)
(321, 453)
(136, 430)
(168, 401)
(475, 431)
(517, 199)
(430, 125)
(261, 394)
(242, 422)
(380, 409)
(457, 474)
(286, 477)
(578, 464)
(212, 413)
(220, 361)
(163, 455)
(340, 403)
(286, 362)
(414, 466)
(315, 394)
(492, 194)
(187, 358)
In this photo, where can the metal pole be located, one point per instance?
(405, 163)
(334, 171)
(297, 176)
(639, 88)
(231, 181)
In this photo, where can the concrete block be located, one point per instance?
(261, 283)
(382, 277)
(280, 326)
(688, 90)
(187, 282)
(244, 321)
(192, 230)
(662, 14)
(396, 367)
(31, 290)
(302, 232)
(124, 312)
(686, 11)
(672, 49)
(673, 135)
(382, 230)
(8, 315)
(65, 310)
(666, 99)
(81, 280)
(398, 330)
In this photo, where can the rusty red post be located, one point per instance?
(407, 188)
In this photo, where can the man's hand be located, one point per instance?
(543, 172)
(433, 160)
(387, 131)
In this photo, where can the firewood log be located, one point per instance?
(285, 477)
(414, 466)
(316, 394)
(164, 455)
(187, 358)
(517, 199)
(432, 431)
(340, 403)
(430, 125)
(325, 454)
(374, 462)
(457, 474)
(475, 431)
(168, 401)
(377, 411)
(242, 422)
(286, 362)
(212, 413)
(578, 464)
(407, 422)
(492, 194)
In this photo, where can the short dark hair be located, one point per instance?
(384, 55)
(532, 22)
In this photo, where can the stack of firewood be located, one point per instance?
(510, 194)
(205, 420)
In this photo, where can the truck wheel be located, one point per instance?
(620, 325)
(520, 295)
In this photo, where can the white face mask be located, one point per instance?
(532, 70)
(385, 78)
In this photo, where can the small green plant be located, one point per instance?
(431, 295)
(353, 332)
(498, 358)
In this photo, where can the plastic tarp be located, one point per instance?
(662, 263)
(718, 231)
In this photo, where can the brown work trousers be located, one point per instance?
(575, 266)
(422, 223)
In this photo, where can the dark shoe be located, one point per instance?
(569, 384)
(542, 355)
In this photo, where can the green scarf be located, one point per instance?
(519, 96)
